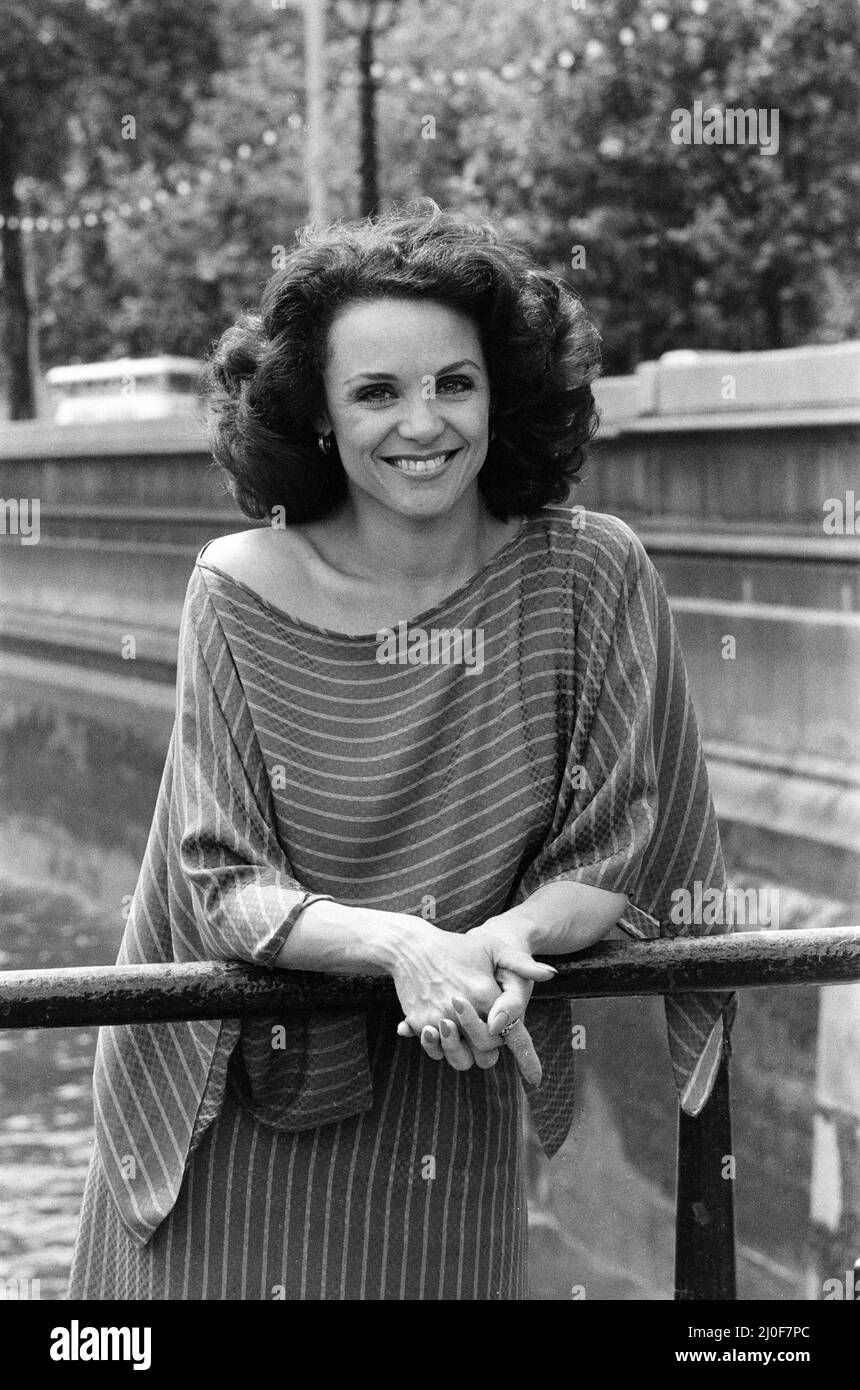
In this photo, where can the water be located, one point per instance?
(45, 1090)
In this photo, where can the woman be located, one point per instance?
(430, 723)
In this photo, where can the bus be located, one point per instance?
(129, 388)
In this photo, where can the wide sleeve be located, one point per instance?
(243, 893)
(635, 814)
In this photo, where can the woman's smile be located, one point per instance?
(422, 467)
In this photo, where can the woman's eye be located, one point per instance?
(450, 385)
(459, 383)
(373, 393)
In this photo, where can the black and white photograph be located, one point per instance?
(430, 667)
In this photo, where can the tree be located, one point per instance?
(193, 264)
(671, 245)
(44, 50)
(561, 134)
(101, 61)
(553, 120)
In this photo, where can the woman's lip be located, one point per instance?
(448, 454)
(422, 470)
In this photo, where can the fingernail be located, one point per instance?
(459, 1005)
(445, 1028)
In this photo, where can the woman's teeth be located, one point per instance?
(422, 466)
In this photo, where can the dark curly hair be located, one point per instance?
(264, 379)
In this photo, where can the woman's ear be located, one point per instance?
(322, 424)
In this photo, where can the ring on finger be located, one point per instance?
(509, 1026)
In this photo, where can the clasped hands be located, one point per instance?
(459, 991)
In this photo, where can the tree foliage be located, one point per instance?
(707, 246)
(70, 72)
(671, 245)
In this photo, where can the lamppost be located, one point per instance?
(314, 32)
(367, 19)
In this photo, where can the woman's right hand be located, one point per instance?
(433, 968)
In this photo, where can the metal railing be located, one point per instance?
(704, 1206)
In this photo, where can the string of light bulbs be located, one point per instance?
(384, 74)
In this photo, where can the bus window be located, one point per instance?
(126, 389)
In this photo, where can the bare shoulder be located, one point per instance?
(251, 556)
(270, 560)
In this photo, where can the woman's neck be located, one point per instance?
(420, 553)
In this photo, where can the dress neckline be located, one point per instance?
(419, 619)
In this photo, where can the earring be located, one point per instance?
(324, 443)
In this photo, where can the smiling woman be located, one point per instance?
(520, 340)
(416, 439)
(409, 411)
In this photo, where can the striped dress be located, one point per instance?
(535, 726)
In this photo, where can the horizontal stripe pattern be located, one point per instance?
(300, 761)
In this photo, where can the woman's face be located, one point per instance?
(408, 399)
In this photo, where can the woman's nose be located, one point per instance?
(421, 419)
